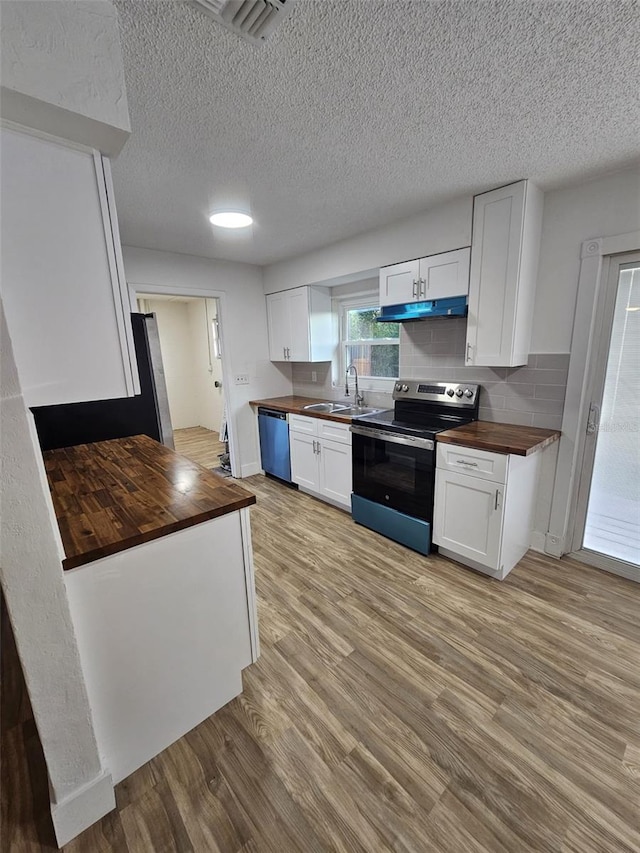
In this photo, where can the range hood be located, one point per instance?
(454, 306)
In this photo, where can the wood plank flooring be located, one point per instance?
(400, 703)
(200, 445)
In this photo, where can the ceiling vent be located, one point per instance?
(254, 20)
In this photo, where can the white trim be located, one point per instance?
(40, 117)
(84, 807)
(607, 564)
(221, 296)
(341, 305)
(250, 582)
(251, 469)
(116, 272)
(593, 270)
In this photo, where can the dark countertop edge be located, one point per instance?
(495, 446)
(148, 536)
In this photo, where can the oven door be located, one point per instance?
(394, 470)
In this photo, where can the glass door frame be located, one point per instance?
(596, 371)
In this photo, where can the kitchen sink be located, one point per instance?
(357, 411)
(326, 408)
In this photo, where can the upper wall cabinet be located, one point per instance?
(64, 291)
(435, 277)
(300, 325)
(504, 264)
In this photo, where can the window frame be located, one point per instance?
(370, 299)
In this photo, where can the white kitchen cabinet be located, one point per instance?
(321, 458)
(435, 277)
(304, 460)
(504, 265)
(300, 325)
(64, 291)
(164, 631)
(484, 507)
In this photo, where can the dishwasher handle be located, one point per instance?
(273, 413)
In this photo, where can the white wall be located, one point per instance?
(599, 208)
(62, 71)
(178, 360)
(208, 369)
(438, 230)
(244, 325)
(33, 586)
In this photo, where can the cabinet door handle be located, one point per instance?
(422, 291)
(464, 462)
(468, 352)
(414, 292)
(314, 446)
(319, 449)
(496, 505)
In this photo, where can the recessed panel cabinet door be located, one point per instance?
(445, 275)
(304, 460)
(278, 320)
(299, 329)
(66, 309)
(335, 472)
(398, 284)
(468, 517)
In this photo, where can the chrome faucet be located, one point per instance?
(359, 396)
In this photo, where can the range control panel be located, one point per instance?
(445, 393)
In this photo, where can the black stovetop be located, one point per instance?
(425, 426)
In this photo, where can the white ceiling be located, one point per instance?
(360, 112)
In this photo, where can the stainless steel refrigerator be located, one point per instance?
(146, 413)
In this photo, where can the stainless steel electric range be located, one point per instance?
(394, 457)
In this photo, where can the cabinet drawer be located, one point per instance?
(480, 463)
(301, 423)
(334, 431)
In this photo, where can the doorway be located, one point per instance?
(190, 342)
(607, 530)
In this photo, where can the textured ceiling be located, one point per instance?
(360, 112)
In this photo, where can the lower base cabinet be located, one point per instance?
(164, 631)
(484, 507)
(321, 458)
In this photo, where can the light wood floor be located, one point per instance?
(200, 445)
(400, 703)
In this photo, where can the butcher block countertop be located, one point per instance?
(112, 495)
(295, 406)
(500, 438)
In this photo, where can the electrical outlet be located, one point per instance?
(241, 379)
(314, 376)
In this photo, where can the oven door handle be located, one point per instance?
(393, 437)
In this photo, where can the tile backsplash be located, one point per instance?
(532, 395)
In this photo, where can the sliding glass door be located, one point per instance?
(609, 504)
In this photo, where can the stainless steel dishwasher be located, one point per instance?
(274, 443)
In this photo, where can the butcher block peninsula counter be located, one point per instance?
(112, 495)
(159, 576)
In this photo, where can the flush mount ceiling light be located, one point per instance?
(230, 219)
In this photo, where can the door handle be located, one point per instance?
(594, 419)
(497, 504)
(284, 353)
(414, 292)
(217, 384)
(288, 354)
(314, 446)
(422, 288)
(468, 352)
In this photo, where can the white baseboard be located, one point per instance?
(538, 541)
(83, 808)
(250, 469)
